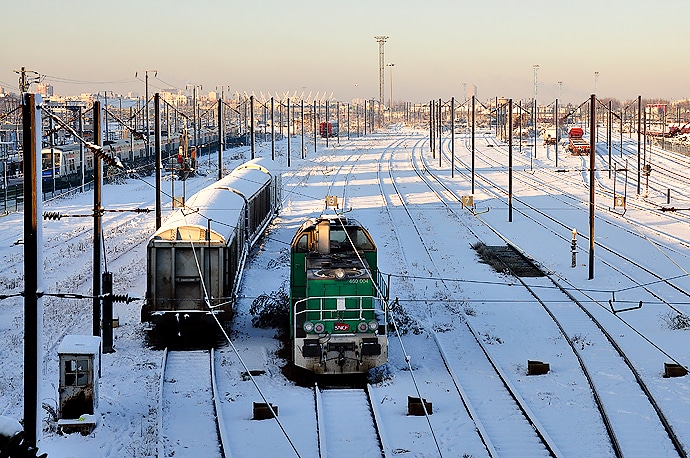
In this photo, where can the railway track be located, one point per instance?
(630, 411)
(642, 275)
(346, 421)
(673, 168)
(548, 180)
(189, 425)
(470, 373)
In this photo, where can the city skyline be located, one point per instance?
(439, 48)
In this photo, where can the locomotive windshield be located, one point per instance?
(339, 239)
(331, 237)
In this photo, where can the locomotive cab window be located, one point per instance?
(361, 240)
(339, 239)
(303, 244)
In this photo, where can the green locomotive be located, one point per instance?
(338, 314)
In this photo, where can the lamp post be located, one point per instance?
(381, 39)
(390, 103)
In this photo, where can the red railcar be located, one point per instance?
(328, 129)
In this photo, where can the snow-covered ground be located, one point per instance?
(439, 281)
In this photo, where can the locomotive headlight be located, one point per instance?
(308, 326)
(319, 328)
(339, 274)
(373, 325)
(362, 326)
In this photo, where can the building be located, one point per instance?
(472, 91)
(174, 97)
(45, 89)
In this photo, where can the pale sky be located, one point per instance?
(639, 47)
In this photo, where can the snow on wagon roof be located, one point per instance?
(222, 206)
(247, 180)
(222, 203)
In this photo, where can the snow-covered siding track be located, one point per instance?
(190, 428)
(638, 425)
(346, 423)
(506, 425)
(628, 432)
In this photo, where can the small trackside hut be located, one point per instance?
(338, 316)
(80, 359)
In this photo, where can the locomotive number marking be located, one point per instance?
(359, 280)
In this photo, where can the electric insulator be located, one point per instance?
(123, 298)
(51, 216)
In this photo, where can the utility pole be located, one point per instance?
(157, 149)
(452, 137)
(473, 132)
(381, 41)
(33, 259)
(639, 139)
(221, 137)
(251, 122)
(97, 210)
(23, 86)
(146, 74)
(25, 81)
(194, 88)
(592, 157)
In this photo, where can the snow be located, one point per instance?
(9, 426)
(439, 282)
(80, 345)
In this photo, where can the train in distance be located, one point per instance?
(328, 129)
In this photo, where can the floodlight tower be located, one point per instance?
(536, 109)
(381, 41)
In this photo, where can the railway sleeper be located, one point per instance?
(537, 367)
(674, 370)
(262, 411)
(415, 408)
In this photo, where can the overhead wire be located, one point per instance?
(400, 342)
(207, 302)
(75, 81)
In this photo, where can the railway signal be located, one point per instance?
(573, 249)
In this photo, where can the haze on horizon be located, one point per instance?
(306, 46)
